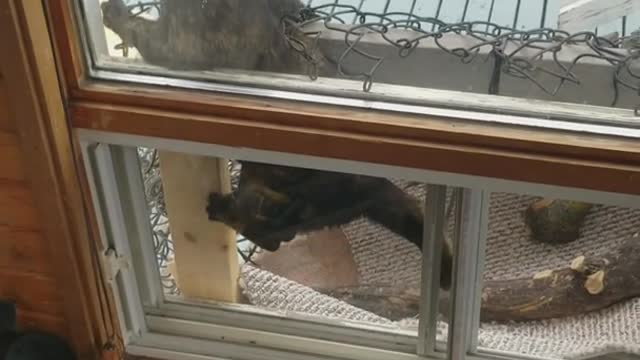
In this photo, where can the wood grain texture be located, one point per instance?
(11, 157)
(24, 261)
(36, 99)
(380, 148)
(6, 124)
(23, 251)
(564, 292)
(31, 292)
(17, 205)
(273, 112)
(28, 320)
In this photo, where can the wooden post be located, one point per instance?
(205, 251)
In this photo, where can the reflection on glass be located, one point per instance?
(560, 277)
(539, 50)
(320, 243)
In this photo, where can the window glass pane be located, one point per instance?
(495, 55)
(560, 277)
(326, 245)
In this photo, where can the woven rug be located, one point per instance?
(384, 258)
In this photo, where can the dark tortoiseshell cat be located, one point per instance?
(272, 204)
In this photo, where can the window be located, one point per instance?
(505, 55)
(370, 297)
(543, 270)
(461, 153)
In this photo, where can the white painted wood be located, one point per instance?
(435, 204)
(382, 336)
(303, 343)
(125, 281)
(365, 168)
(584, 15)
(126, 166)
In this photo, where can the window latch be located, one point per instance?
(115, 263)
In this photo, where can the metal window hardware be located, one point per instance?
(115, 263)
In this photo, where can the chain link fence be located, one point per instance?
(524, 54)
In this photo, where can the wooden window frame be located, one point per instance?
(61, 106)
(443, 143)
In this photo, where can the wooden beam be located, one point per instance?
(586, 15)
(322, 118)
(206, 261)
(529, 164)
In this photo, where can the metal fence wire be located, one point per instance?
(517, 53)
(154, 195)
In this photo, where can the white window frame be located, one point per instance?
(153, 326)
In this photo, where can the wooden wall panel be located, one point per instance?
(10, 157)
(17, 206)
(26, 274)
(32, 292)
(5, 123)
(23, 250)
(37, 321)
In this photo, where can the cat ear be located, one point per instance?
(7, 317)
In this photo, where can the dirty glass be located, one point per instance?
(489, 55)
